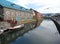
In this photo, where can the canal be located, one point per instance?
(45, 33)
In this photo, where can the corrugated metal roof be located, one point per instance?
(11, 5)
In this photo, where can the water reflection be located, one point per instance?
(10, 36)
(45, 33)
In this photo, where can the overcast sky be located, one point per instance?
(43, 6)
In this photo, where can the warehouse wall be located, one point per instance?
(17, 15)
(13, 13)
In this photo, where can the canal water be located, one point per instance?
(45, 33)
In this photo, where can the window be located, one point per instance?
(17, 13)
(7, 12)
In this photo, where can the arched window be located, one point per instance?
(7, 12)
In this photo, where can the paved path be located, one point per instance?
(58, 22)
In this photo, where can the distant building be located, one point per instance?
(37, 15)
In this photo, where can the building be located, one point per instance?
(37, 15)
(13, 15)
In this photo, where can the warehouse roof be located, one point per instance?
(11, 5)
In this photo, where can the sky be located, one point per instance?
(42, 6)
